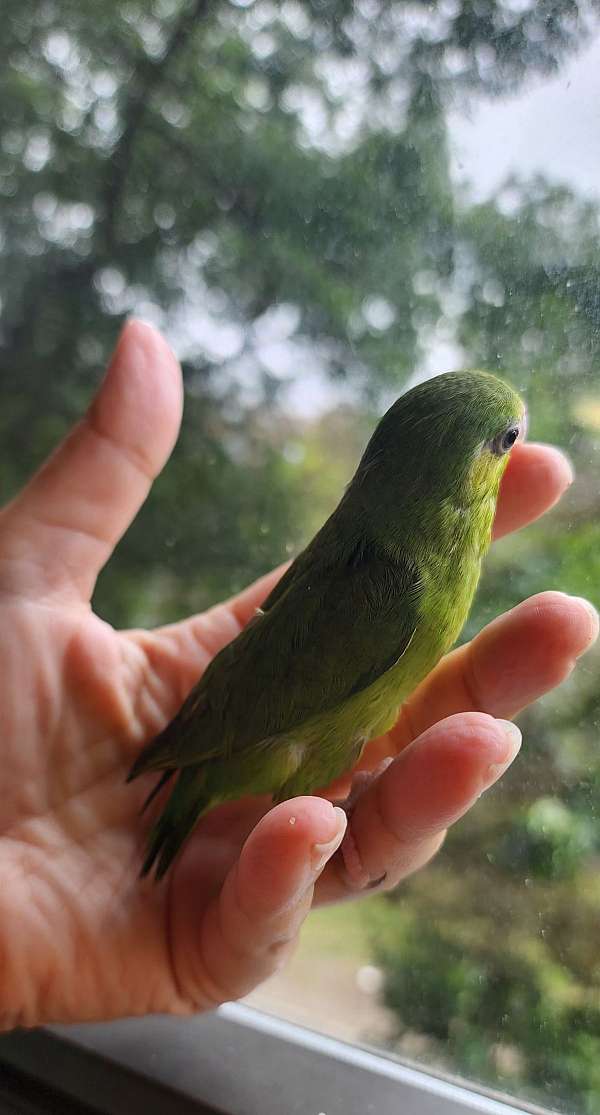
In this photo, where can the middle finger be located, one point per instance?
(515, 659)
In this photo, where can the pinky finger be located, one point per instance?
(249, 929)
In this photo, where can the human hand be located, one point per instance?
(81, 936)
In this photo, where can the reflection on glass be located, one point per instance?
(320, 202)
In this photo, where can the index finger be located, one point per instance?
(536, 477)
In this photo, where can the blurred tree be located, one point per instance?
(204, 163)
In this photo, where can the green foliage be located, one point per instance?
(487, 1003)
(271, 185)
(548, 841)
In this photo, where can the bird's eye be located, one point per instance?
(505, 441)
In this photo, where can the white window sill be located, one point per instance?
(237, 1061)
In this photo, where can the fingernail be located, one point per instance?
(146, 326)
(593, 614)
(322, 853)
(564, 459)
(134, 349)
(513, 739)
(513, 736)
(570, 469)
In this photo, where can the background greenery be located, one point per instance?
(271, 184)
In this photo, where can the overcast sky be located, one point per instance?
(552, 125)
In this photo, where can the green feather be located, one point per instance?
(361, 616)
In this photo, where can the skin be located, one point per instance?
(81, 937)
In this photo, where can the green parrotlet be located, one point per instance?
(359, 618)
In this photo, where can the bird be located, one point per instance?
(359, 618)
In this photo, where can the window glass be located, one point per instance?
(320, 203)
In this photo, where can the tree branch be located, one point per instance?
(149, 76)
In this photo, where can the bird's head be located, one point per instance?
(448, 435)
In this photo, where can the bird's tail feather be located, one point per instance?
(188, 800)
(167, 774)
(158, 754)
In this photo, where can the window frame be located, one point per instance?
(216, 1063)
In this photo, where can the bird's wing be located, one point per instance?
(329, 635)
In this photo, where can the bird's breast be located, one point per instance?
(450, 566)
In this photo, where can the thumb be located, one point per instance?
(60, 530)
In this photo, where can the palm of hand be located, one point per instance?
(84, 699)
(82, 932)
(81, 937)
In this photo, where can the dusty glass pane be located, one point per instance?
(320, 203)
